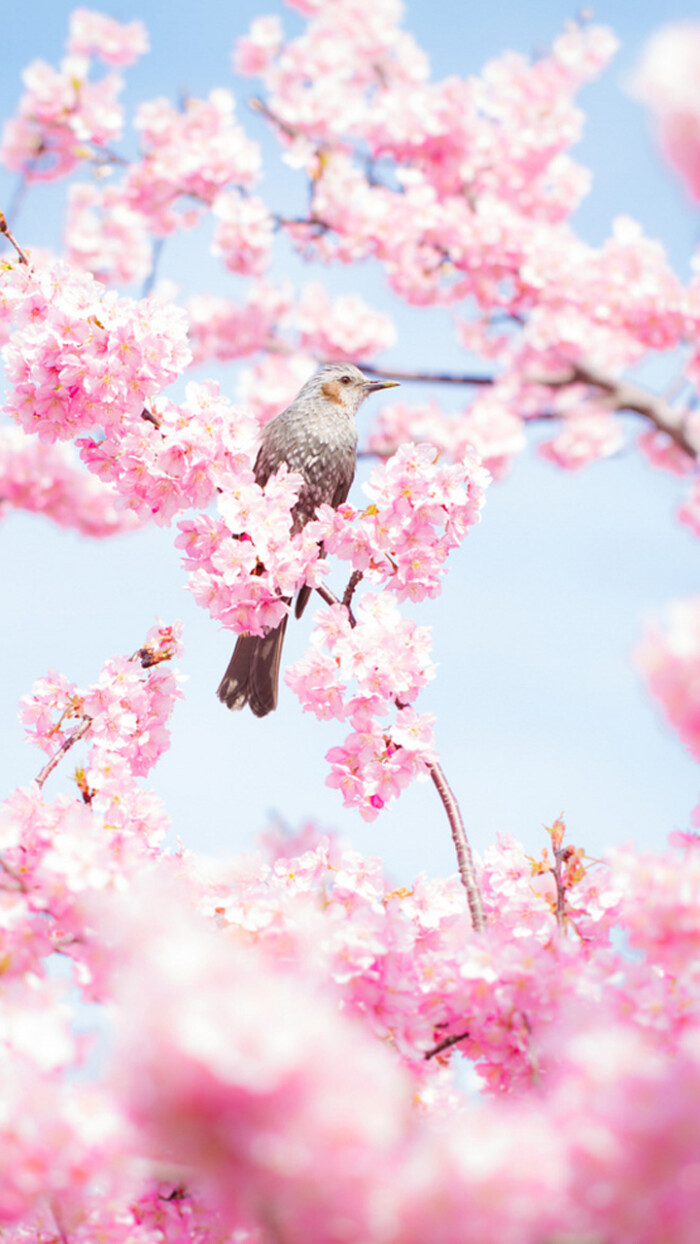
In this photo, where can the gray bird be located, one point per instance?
(316, 436)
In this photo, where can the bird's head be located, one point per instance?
(344, 385)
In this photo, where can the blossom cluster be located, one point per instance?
(294, 1048)
(80, 357)
(419, 511)
(666, 80)
(366, 668)
(123, 714)
(463, 190)
(208, 1119)
(275, 323)
(105, 236)
(669, 658)
(181, 456)
(491, 426)
(46, 479)
(246, 565)
(197, 152)
(362, 673)
(63, 112)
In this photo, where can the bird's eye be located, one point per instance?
(345, 380)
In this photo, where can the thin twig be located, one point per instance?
(290, 222)
(5, 228)
(445, 1045)
(13, 875)
(353, 581)
(156, 252)
(559, 857)
(259, 105)
(425, 377)
(465, 861)
(50, 765)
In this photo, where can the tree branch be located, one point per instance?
(50, 765)
(619, 395)
(622, 395)
(259, 105)
(465, 860)
(5, 228)
(445, 1044)
(425, 377)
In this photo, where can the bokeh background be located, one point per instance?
(539, 709)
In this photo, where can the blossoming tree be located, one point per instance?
(293, 1048)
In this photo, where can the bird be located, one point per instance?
(315, 436)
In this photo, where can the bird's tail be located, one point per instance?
(252, 676)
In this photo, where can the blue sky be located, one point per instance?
(539, 709)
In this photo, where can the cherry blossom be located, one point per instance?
(666, 80)
(286, 1045)
(46, 479)
(94, 34)
(669, 657)
(82, 356)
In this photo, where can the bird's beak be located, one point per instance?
(373, 386)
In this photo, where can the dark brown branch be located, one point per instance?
(50, 765)
(312, 222)
(5, 229)
(19, 883)
(622, 395)
(259, 105)
(425, 377)
(560, 856)
(619, 395)
(465, 860)
(353, 581)
(445, 1045)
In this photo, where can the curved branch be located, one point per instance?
(619, 395)
(5, 229)
(622, 395)
(50, 765)
(465, 861)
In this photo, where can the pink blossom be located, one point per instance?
(689, 511)
(125, 711)
(669, 658)
(197, 151)
(584, 438)
(105, 236)
(46, 479)
(667, 82)
(243, 566)
(254, 52)
(419, 510)
(221, 329)
(60, 112)
(244, 235)
(95, 34)
(345, 328)
(82, 357)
